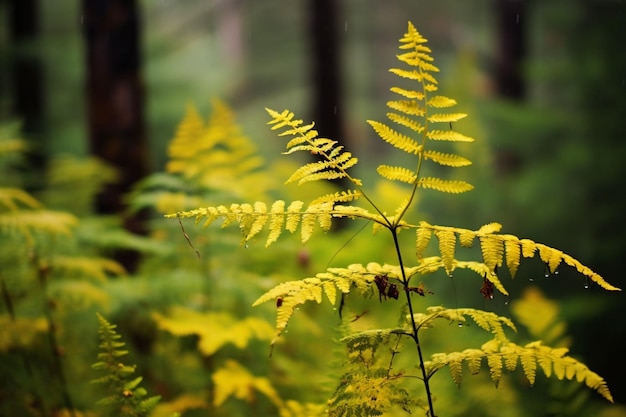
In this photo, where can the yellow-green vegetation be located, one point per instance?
(420, 123)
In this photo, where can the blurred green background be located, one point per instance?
(543, 82)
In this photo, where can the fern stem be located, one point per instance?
(414, 328)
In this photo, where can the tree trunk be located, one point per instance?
(326, 69)
(115, 103)
(27, 82)
(511, 18)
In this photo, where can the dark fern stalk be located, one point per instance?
(414, 328)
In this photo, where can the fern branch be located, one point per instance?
(336, 161)
(124, 393)
(500, 248)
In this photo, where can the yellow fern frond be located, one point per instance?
(338, 197)
(394, 173)
(441, 102)
(234, 380)
(484, 271)
(513, 255)
(216, 155)
(422, 239)
(494, 244)
(447, 159)
(492, 249)
(395, 138)
(448, 135)
(20, 332)
(290, 295)
(446, 186)
(447, 243)
(214, 329)
(254, 218)
(550, 256)
(96, 268)
(13, 198)
(29, 222)
(409, 107)
(446, 117)
(486, 320)
(550, 361)
(408, 93)
(335, 161)
(405, 121)
(489, 228)
(324, 170)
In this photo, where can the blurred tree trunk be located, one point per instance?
(115, 103)
(511, 18)
(326, 69)
(327, 107)
(27, 81)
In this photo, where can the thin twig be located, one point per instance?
(187, 236)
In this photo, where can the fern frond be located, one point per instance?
(409, 107)
(441, 102)
(422, 239)
(447, 159)
(96, 268)
(335, 162)
(13, 198)
(486, 320)
(30, 222)
(405, 121)
(394, 173)
(220, 144)
(253, 219)
(447, 243)
(448, 135)
(550, 360)
(324, 170)
(446, 117)
(395, 138)
(292, 294)
(446, 186)
(20, 332)
(492, 249)
(213, 329)
(497, 248)
(126, 397)
(234, 380)
(338, 197)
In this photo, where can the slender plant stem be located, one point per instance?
(414, 329)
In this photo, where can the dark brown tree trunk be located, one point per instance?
(511, 16)
(115, 102)
(27, 81)
(326, 69)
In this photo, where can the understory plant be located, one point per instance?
(387, 369)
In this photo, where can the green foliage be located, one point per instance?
(372, 384)
(125, 396)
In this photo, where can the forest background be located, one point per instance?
(544, 82)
